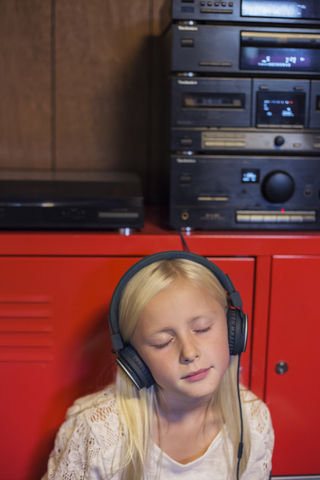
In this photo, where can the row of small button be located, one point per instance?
(208, 7)
(216, 4)
(246, 216)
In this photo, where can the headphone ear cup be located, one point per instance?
(237, 322)
(134, 367)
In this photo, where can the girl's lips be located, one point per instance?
(195, 376)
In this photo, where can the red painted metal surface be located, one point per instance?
(260, 325)
(54, 348)
(294, 333)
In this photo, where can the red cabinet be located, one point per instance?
(55, 345)
(292, 379)
(55, 290)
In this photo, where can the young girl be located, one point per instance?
(173, 326)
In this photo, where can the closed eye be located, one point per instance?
(203, 330)
(162, 345)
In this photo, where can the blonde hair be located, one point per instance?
(137, 407)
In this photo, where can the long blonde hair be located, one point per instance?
(137, 407)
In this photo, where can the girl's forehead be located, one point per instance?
(179, 299)
(180, 288)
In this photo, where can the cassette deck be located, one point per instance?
(245, 102)
(212, 114)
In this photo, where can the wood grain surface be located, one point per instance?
(78, 86)
(25, 84)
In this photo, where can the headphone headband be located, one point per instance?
(233, 296)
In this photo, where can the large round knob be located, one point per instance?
(278, 141)
(278, 187)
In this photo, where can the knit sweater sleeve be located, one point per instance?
(86, 439)
(262, 439)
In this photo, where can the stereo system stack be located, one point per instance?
(243, 86)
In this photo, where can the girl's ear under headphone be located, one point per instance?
(128, 358)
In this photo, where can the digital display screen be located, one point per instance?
(280, 109)
(309, 9)
(250, 175)
(213, 100)
(284, 59)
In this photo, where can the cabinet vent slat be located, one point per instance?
(27, 299)
(26, 329)
(25, 355)
(25, 324)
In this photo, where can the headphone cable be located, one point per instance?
(240, 447)
(183, 240)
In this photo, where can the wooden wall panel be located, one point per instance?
(102, 84)
(80, 87)
(158, 164)
(25, 83)
(157, 6)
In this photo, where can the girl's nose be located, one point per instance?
(189, 352)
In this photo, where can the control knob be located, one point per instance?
(278, 187)
(278, 141)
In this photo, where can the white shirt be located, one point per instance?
(86, 442)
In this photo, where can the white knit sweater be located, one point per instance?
(86, 442)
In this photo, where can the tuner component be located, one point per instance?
(278, 187)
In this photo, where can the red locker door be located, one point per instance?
(55, 346)
(293, 395)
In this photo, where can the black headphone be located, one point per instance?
(128, 358)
